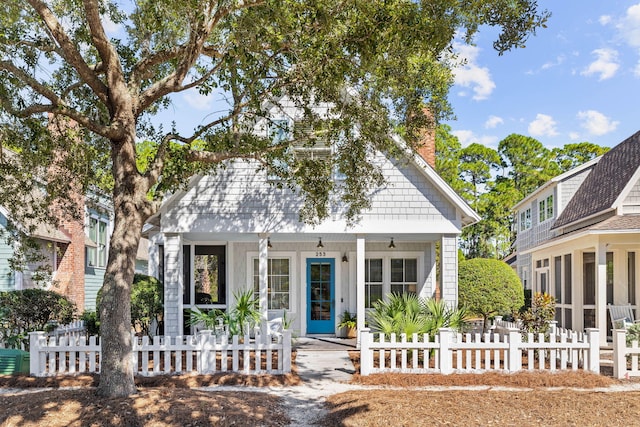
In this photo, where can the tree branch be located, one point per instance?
(68, 50)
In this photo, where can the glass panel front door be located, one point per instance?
(320, 296)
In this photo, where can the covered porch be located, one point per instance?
(585, 271)
(312, 277)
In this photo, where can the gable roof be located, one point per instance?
(601, 190)
(553, 181)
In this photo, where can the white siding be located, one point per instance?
(239, 199)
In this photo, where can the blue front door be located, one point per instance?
(320, 296)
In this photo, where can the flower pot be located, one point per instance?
(351, 332)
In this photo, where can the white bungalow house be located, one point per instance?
(578, 238)
(233, 230)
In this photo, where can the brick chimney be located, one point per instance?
(427, 143)
(69, 276)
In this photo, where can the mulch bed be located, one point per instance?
(473, 408)
(150, 407)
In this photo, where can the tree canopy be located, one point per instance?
(493, 181)
(70, 83)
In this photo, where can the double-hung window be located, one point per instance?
(372, 281)
(97, 256)
(404, 275)
(545, 208)
(525, 219)
(278, 282)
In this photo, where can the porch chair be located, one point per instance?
(621, 316)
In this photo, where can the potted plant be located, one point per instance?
(349, 323)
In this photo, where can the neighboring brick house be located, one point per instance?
(233, 231)
(75, 254)
(578, 237)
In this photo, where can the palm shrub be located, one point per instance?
(240, 319)
(409, 314)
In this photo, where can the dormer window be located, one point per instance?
(545, 207)
(303, 149)
(525, 219)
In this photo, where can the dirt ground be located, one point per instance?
(172, 401)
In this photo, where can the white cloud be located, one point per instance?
(606, 65)
(604, 19)
(467, 137)
(468, 74)
(492, 122)
(574, 136)
(597, 123)
(629, 26)
(543, 125)
(198, 101)
(558, 61)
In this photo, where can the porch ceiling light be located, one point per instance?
(269, 245)
(320, 245)
(344, 258)
(392, 245)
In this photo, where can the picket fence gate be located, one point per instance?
(451, 352)
(202, 354)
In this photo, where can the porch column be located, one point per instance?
(601, 290)
(173, 285)
(449, 269)
(264, 290)
(360, 311)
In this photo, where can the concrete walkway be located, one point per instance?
(322, 359)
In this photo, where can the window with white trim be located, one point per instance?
(306, 147)
(372, 281)
(545, 208)
(404, 275)
(525, 219)
(278, 282)
(97, 256)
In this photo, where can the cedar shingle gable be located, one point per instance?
(604, 184)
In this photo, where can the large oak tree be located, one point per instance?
(376, 63)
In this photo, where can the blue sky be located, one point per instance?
(577, 80)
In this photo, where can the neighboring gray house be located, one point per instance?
(578, 237)
(234, 231)
(75, 254)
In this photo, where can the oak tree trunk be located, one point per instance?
(129, 201)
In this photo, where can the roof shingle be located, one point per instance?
(604, 184)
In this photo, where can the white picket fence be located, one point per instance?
(625, 359)
(453, 352)
(202, 354)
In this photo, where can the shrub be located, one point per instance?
(91, 322)
(147, 296)
(633, 334)
(30, 310)
(489, 287)
(147, 303)
(536, 318)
